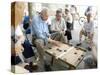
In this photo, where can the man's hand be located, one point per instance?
(54, 42)
(18, 48)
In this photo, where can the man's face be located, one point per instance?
(44, 16)
(58, 17)
(66, 11)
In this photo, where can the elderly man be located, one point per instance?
(41, 35)
(88, 30)
(58, 27)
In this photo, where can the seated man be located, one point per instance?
(58, 27)
(41, 36)
(88, 30)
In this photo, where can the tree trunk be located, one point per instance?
(30, 9)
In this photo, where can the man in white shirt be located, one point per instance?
(58, 27)
(69, 20)
(68, 17)
(88, 30)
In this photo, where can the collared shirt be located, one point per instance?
(58, 25)
(68, 18)
(39, 28)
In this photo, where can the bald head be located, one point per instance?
(44, 14)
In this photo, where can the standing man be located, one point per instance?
(87, 30)
(69, 22)
(74, 13)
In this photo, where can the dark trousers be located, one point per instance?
(27, 53)
(68, 31)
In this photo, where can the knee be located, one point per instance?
(90, 36)
(39, 42)
(81, 32)
(60, 34)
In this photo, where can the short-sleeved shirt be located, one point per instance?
(68, 18)
(58, 25)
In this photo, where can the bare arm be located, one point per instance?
(53, 42)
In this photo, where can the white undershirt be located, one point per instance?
(58, 25)
(89, 27)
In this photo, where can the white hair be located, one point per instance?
(44, 10)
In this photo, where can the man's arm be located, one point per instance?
(36, 28)
(64, 26)
(53, 42)
(20, 40)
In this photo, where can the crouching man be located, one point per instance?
(58, 27)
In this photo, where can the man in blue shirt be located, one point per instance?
(41, 33)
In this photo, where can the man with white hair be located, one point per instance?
(41, 35)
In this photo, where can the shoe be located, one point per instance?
(89, 49)
(78, 44)
(47, 67)
(31, 67)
